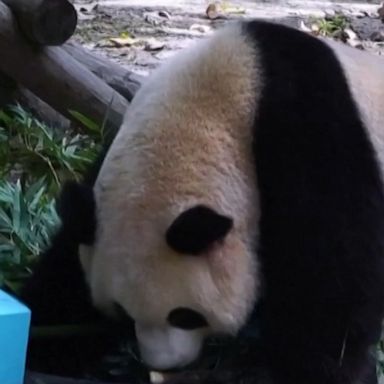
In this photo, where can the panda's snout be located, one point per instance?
(167, 347)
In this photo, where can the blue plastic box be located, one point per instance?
(14, 330)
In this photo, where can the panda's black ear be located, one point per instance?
(77, 209)
(194, 230)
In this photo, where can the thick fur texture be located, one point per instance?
(278, 131)
(322, 221)
(182, 144)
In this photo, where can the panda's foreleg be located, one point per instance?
(57, 292)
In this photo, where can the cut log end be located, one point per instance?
(45, 22)
(54, 23)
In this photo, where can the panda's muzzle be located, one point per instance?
(167, 347)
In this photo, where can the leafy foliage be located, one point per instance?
(332, 26)
(35, 160)
(31, 150)
(27, 220)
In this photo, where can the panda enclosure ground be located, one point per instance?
(170, 25)
(130, 39)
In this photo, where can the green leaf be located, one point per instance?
(16, 213)
(86, 121)
(4, 118)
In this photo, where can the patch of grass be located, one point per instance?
(331, 26)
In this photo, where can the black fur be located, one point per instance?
(77, 210)
(186, 318)
(321, 240)
(57, 292)
(322, 222)
(197, 228)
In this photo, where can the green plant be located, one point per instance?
(331, 26)
(35, 159)
(27, 221)
(30, 149)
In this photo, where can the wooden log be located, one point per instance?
(45, 22)
(40, 109)
(119, 78)
(56, 77)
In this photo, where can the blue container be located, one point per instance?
(14, 329)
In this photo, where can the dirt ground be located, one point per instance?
(139, 34)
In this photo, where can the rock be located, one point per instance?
(377, 36)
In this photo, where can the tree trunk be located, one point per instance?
(41, 110)
(123, 81)
(56, 77)
(45, 22)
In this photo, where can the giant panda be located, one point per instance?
(248, 170)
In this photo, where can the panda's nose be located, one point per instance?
(186, 318)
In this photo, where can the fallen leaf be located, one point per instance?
(125, 34)
(123, 41)
(232, 9)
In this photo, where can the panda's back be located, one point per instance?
(365, 76)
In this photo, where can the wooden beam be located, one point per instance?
(41, 110)
(45, 22)
(119, 78)
(56, 77)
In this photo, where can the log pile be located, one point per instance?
(40, 68)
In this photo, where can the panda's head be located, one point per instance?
(177, 205)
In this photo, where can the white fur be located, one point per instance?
(169, 347)
(186, 140)
(182, 143)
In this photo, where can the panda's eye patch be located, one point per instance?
(186, 318)
(194, 230)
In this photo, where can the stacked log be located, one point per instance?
(39, 66)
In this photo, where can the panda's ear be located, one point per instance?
(77, 210)
(197, 228)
